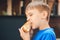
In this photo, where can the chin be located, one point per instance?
(34, 28)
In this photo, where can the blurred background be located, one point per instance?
(12, 17)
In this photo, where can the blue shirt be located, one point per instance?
(46, 34)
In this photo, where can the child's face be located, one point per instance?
(35, 17)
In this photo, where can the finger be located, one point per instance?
(21, 30)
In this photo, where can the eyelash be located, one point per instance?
(30, 15)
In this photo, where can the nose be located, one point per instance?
(28, 18)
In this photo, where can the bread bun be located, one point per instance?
(26, 27)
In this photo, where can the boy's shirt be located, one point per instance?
(46, 34)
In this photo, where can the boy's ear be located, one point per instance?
(44, 14)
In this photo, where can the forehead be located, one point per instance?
(32, 11)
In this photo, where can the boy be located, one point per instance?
(37, 14)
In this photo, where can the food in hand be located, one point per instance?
(26, 27)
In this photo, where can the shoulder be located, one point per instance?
(48, 35)
(49, 32)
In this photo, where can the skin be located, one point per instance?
(37, 19)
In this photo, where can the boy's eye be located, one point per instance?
(30, 15)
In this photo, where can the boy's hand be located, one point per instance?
(24, 35)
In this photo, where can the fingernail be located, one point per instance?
(18, 28)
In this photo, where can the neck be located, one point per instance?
(44, 25)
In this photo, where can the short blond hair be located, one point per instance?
(40, 6)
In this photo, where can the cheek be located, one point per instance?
(34, 26)
(36, 21)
